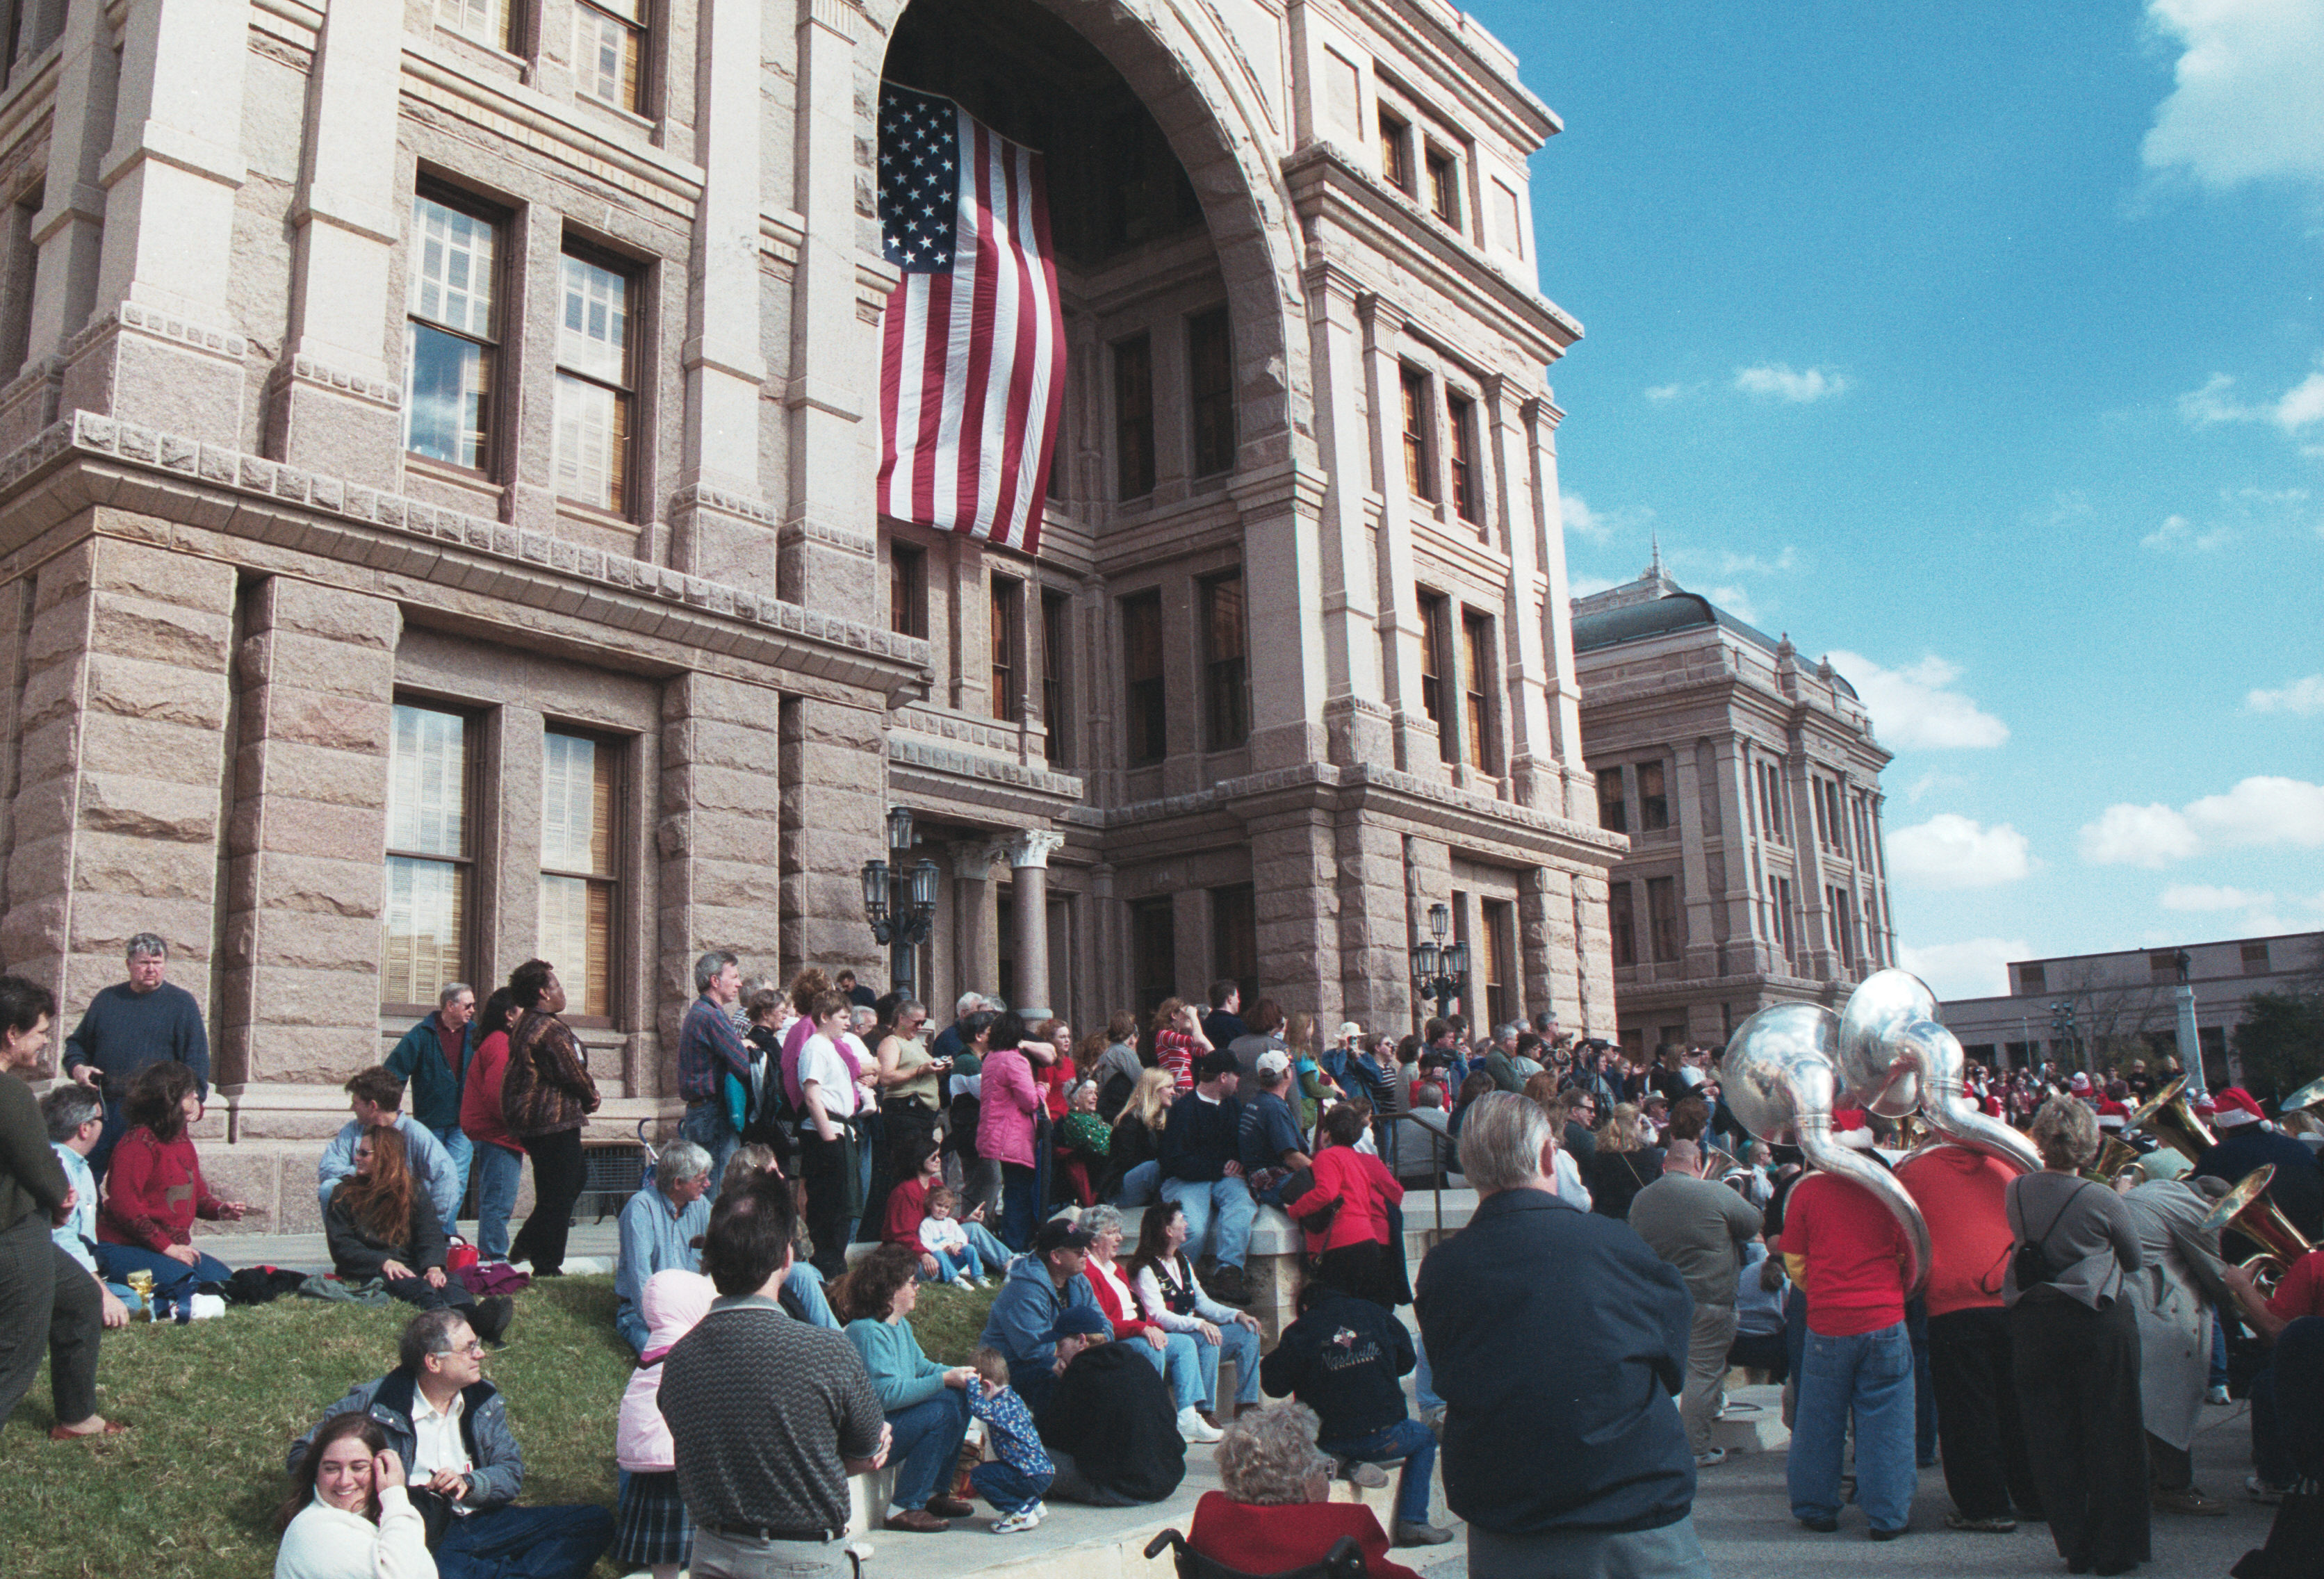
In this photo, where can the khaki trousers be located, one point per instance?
(1706, 1368)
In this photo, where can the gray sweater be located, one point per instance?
(2085, 1231)
(1696, 1225)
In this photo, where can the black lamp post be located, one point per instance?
(1438, 971)
(2062, 1020)
(900, 902)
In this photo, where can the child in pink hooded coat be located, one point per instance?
(654, 1530)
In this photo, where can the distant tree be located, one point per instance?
(2281, 1042)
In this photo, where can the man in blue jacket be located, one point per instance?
(1593, 1476)
(1041, 1287)
(432, 1061)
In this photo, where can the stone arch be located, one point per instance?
(1184, 70)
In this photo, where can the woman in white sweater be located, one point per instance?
(349, 1517)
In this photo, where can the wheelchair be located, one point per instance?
(1345, 1560)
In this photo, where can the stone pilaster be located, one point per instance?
(833, 804)
(315, 687)
(1374, 933)
(720, 838)
(1593, 956)
(120, 760)
(1297, 898)
(1283, 586)
(1699, 950)
(1561, 684)
(1536, 775)
(1355, 717)
(1401, 633)
(1028, 860)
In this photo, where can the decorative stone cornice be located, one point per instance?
(163, 326)
(706, 496)
(307, 370)
(961, 764)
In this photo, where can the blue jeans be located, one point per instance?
(1870, 1376)
(172, 1279)
(705, 1125)
(1020, 1204)
(524, 1543)
(459, 1148)
(1007, 1487)
(1178, 1364)
(983, 1255)
(806, 1286)
(1218, 1215)
(1425, 1396)
(498, 1172)
(926, 1446)
(1239, 1341)
(1140, 1186)
(631, 1323)
(1409, 1440)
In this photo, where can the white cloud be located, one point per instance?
(1735, 601)
(2302, 698)
(1913, 708)
(1584, 585)
(1978, 968)
(1953, 851)
(1581, 521)
(2301, 406)
(2204, 896)
(2248, 103)
(2260, 810)
(1930, 783)
(1777, 379)
(2175, 534)
(1663, 393)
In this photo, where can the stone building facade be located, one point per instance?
(1749, 784)
(437, 450)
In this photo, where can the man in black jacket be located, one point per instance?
(1203, 1175)
(1589, 1477)
(1108, 1425)
(1342, 1359)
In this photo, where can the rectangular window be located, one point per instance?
(484, 21)
(596, 384)
(1613, 811)
(1226, 669)
(609, 52)
(1396, 152)
(1153, 953)
(2162, 967)
(1053, 619)
(1771, 802)
(2033, 980)
(1500, 961)
(1444, 187)
(1146, 729)
(1461, 431)
(1133, 417)
(1234, 938)
(1622, 918)
(1210, 364)
(1477, 670)
(907, 590)
(1662, 916)
(1007, 604)
(1653, 804)
(1434, 665)
(425, 942)
(2256, 961)
(452, 332)
(1419, 467)
(1843, 927)
(580, 805)
(1786, 925)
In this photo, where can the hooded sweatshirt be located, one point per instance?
(672, 1302)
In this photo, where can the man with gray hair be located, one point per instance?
(709, 1046)
(432, 1061)
(1587, 1479)
(1699, 1227)
(660, 1225)
(130, 1024)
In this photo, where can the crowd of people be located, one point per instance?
(2056, 1360)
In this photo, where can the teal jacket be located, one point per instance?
(419, 1060)
(900, 1373)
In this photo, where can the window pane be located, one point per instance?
(485, 21)
(1417, 480)
(593, 444)
(1141, 652)
(426, 938)
(427, 783)
(1623, 924)
(452, 277)
(1613, 811)
(447, 397)
(1226, 694)
(594, 335)
(571, 839)
(1210, 354)
(1133, 417)
(607, 56)
(1654, 805)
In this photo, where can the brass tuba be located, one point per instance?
(1897, 1060)
(1779, 1078)
(2247, 1210)
(2171, 1118)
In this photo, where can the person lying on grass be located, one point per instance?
(348, 1515)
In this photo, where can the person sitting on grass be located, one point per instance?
(1275, 1512)
(383, 1225)
(655, 1531)
(926, 1404)
(154, 1191)
(450, 1428)
(348, 1515)
(1020, 1472)
(803, 1296)
(660, 1227)
(75, 1118)
(375, 1096)
(966, 1252)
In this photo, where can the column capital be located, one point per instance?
(974, 858)
(1032, 847)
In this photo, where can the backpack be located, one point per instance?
(1315, 1218)
(2029, 1263)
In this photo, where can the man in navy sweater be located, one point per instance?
(1591, 1477)
(1201, 1172)
(142, 1021)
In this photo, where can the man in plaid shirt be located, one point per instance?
(709, 1046)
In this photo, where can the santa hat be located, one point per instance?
(2236, 1109)
(2080, 1082)
(2112, 1115)
(1850, 1130)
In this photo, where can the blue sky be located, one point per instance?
(1981, 347)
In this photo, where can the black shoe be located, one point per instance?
(1230, 1286)
(492, 1316)
(1878, 1534)
(1820, 1526)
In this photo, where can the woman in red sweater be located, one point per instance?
(498, 1165)
(1351, 1252)
(1275, 1512)
(154, 1190)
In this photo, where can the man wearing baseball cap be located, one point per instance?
(1041, 1288)
(1272, 1146)
(2246, 1140)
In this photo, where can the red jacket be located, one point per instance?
(481, 1119)
(153, 1193)
(1254, 1539)
(1127, 1324)
(907, 1203)
(1362, 1186)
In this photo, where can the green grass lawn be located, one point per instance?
(191, 1490)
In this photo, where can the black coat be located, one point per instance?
(357, 1253)
(1342, 1359)
(1557, 1338)
(1112, 1410)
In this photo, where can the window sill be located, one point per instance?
(472, 489)
(642, 125)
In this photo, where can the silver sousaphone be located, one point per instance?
(1780, 1078)
(1895, 1059)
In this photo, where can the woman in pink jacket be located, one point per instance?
(655, 1531)
(1004, 1129)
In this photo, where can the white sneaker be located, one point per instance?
(2218, 1395)
(1193, 1428)
(1024, 1519)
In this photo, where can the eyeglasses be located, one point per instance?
(473, 1348)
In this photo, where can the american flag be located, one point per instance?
(972, 348)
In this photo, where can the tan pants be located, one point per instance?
(1706, 1369)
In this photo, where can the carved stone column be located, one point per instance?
(975, 962)
(1028, 855)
